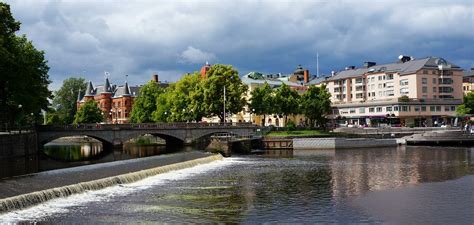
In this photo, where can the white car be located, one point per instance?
(471, 130)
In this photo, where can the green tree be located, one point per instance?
(261, 101)
(182, 101)
(145, 104)
(65, 99)
(89, 113)
(286, 101)
(24, 74)
(468, 105)
(315, 104)
(218, 77)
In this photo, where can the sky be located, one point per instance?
(84, 38)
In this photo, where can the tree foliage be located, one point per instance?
(219, 76)
(315, 104)
(182, 101)
(89, 113)
(261, 101)
(468, 105)
(24, 73)
(64, 100)
(145, 104)
(286, 101)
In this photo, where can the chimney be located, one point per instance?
(350, 67)
(369, 64)
(306, 76)
(155, 77)
(404, 58)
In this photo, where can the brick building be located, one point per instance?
(115, 101)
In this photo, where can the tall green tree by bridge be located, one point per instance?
(89, 113)
(24, 74)
(64, 101)
(219, 76)
(286, 101)
(146, 103)
(261, 102)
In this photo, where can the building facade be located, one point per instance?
(115, 101)
(410, 92)
(468, 81)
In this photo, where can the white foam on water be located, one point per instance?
(62, 205)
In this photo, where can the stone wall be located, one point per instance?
(18, 145)
(341, 143)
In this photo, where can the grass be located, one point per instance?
(298, 133)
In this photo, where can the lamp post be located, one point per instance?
(224, 105)
(21, 114)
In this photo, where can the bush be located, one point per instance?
(290, 126)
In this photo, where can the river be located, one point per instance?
(412, 184)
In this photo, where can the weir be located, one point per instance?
(34, 198)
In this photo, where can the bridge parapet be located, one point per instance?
(143, 126)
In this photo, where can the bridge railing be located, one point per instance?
(140, 126)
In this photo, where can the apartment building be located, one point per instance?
(410, 92)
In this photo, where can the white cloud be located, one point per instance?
(196, 56)
(136, 37)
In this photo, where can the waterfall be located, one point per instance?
(34, 198)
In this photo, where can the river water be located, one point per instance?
(413, 184)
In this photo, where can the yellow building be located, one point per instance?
(468, 81)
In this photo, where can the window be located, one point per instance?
(434, 80)
(432, 108)
(361, 110)
(352, 111)
(389, 76)
(389, 93)
(403, 82)
(359, 80)
(405, 108)
(453, 108)
(380, 85)
(417, 109)
(424, 89)
(380, 77)
(371, 110)
(388, 109)
(423, 108)
(445, 81)
(389, 85)
(445, 89)
(438, 108)
(404, 91)
(380, 93)
(434, 89)
(424, 80)
(360, 95)
(446, 108)
(379, 109)
(396, 108)
(425, 71)
(372, 79)
(434, 72)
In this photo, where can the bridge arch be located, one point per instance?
(210, 132)
(169, 137)
(45, 140)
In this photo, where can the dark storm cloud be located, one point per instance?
(174, 37)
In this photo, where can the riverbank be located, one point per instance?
(24, 191)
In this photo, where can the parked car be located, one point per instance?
(471, 130)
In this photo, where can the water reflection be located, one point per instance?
(355, 172)
(77, 152)
(72, 152)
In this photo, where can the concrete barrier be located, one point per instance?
(341, 143)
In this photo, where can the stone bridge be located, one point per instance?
(116, 134)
